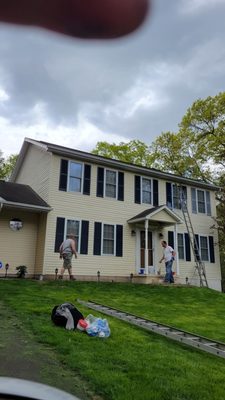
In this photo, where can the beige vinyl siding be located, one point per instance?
(35, 171)
(94, 209)
(77, 206)
(39, 262)
(18, 248)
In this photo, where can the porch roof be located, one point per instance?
(16, 195)
(162, 214)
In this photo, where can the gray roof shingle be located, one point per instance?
(21, 194)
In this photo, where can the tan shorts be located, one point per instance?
(67, 260)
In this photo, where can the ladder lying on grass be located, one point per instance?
(199, 264)
(200, 342)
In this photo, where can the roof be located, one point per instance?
(150, 212)
(104, 161)
(21, 196)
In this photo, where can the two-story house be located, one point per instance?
(118, 212)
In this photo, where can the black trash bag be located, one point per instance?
(66, 315)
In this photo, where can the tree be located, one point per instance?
(133, 152)
(7, 165)
(197, 150)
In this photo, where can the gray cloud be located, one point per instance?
(136, 87)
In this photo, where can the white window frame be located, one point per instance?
(200, 248)
(105, 183)
(114, 240)
(184, 248)
(79, 233)
(205, 201)
(197, 199)
(69, 176)
(149, 179)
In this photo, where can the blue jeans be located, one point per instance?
(169, 273)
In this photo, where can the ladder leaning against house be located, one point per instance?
(199, 264)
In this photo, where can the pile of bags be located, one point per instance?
(69, 317)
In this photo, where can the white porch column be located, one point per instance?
(146, 246)
(176, 249)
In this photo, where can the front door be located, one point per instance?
(142, 249)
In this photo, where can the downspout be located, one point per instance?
(1, 206)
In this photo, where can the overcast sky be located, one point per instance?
(76, 93)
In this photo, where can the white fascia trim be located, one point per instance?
(26, 206)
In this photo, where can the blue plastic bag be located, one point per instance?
(97, 326)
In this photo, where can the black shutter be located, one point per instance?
(155, 192)
(187, 247)
(137, 190)
(100, 182)
(171, 239)
(84, 237)
(63, 175)
(169, 194)
(97, 239)
(119, 240)
(87, 179)
(121, 186)
(211, 249)
(59, 235)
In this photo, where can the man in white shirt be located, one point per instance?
(168, 257)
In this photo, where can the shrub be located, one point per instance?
(21, 271)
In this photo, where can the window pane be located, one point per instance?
(146, 191)
(111, 177)
(176, 197)
(74, 185)
(204, 248)
(108, 239)
(73, 229)
(75, 177)
(201, 201)
(75, 170)
(108, 231)
(110, 189)
(180, 244)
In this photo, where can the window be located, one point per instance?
(110, 183)
(75, 177)
(200, 201)
(108, 239)
(173, 195)
(80, 229)
(146, 191)
(204, 248)
(180, 246)
(73, 228)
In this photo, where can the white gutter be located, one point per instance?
(26, 206)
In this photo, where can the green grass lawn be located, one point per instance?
(131, 364)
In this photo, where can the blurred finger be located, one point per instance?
(79, 18)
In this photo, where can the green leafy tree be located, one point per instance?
(7, 165)
(133, 152)
(197, 150)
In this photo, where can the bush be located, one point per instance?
(21, 271)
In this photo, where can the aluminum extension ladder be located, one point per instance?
(190, 339)
(199, 264)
